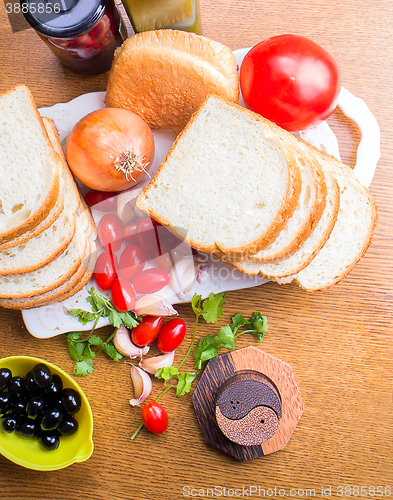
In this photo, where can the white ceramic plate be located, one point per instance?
(48, 321)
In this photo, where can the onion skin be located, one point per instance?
(99, 144)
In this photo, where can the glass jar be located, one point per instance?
(146, 15)
(83, 34)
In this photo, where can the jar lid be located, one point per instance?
(62, 18)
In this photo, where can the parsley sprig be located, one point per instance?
(211, 310)
(103, 308)
(82, 348)
(209, 346)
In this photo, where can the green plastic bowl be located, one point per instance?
(27, 452)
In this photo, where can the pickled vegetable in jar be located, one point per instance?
(146, 15)
(83, 34)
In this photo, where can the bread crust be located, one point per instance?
(164, 75)
(37, 216)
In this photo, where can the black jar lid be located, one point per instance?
(62, 18)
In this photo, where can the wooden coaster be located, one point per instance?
(247, 403)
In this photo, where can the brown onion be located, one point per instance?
(110, 149)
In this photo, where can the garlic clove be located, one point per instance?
(142, 385)
(122, 342)
(151, 365)
(154, 305)
(183, 276)
(126, 201)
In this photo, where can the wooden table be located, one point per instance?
(338, 342)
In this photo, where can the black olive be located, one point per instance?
(28, 428)
(9, 423)
(68, 426)
(71, 400)
(54, 388)
(5, 378)
(19, 408)
(7, 401)
(35, 406)
(51, 419)
(17, 386)
(30, 383)
(41, 375)
(49, 440)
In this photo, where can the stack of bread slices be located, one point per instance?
(261, 199)
(47, 233)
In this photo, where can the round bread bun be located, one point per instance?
(164, 75)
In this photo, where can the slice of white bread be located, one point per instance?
(226, 158)
(351, 235)
(307, 250)
(165, 75)
(30, 179)
(48, 277)
(309, 210)
(67, 289)
(40, 250)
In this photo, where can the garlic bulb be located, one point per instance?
(184, 274)
(154, 305)
(142, 385)
(151, 365)
(122, 342)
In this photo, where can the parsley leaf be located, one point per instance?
(84, 367)
(111, 351)
(213, 307)
(205, 350)
(84, 317)
(166, 373)
(184, 382)
(259, 323)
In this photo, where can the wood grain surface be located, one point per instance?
(338, 342)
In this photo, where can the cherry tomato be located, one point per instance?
(161, 255)
(123, 295)
(290, 80)
(147, 331)
(132, 261)
(150, 280)
(101, 200)
(105, 270)
(171, 335)
(155, 417)
(110, 232)
(130, 231)
(147, 235)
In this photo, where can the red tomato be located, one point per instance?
(130, 231)
(147, 331)
(102, 201)
(290, 80)
(147, 235)
(105, 270)
(172, 335)
(161, 255)
(110, 232)
(150, 281)
(132, 261)
(155, 417)
(123, 295)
